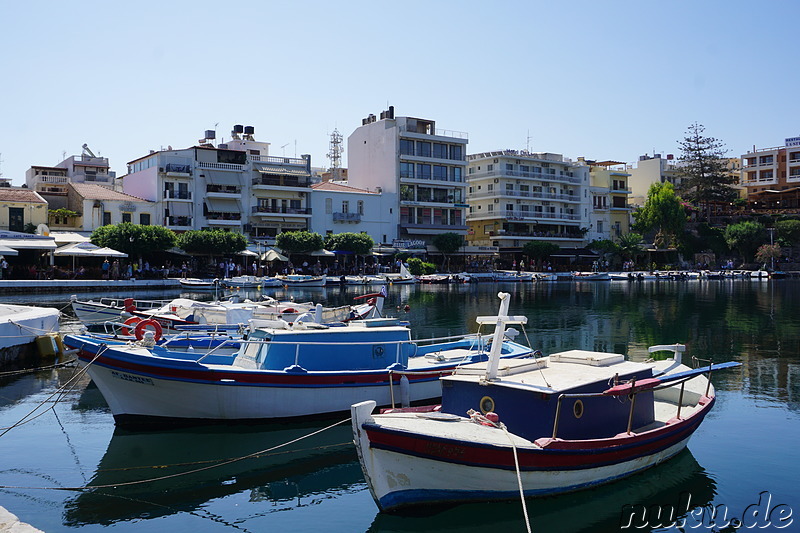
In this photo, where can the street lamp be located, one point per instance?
(772, 255)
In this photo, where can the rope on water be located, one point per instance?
(188, 472)
(37, 369)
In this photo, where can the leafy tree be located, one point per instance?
(766, 253)
(662, 212)
(61, 212)
(448, 243)
(299, 242)
(418, 267)
(788, 231)
(212, 242)
(539, 250)
(134, 239)
(630, 245)
(745, 237)
(703, 169)
(358, 243)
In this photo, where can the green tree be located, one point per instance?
(539, 250)
(448, 243)
(788, 232)
(299, 242)
(212, 242)
(767, 253)
(705, 179)
(418, 267)
(663, 213)
(357, 243)
(630, 245)
(745, 237)
(134, 239)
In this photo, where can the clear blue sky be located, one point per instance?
(604, 80)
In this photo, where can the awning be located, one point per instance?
(283, 170)
(5, 250)
(223, 205)
(66, 237)
(180, 209)
(29, 244)
(87, 249)
(219, 177)
(322, 253)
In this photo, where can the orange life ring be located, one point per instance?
(132, 321)
(290, 310)
(143, 325)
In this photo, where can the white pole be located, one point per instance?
(497, 340)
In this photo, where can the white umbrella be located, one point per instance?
(109, 252)
(247, 252)
(273, 255)
(322, 253)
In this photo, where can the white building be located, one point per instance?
(423, 166)
(340, 208)
(100, 206)
(650, 170)
(517, 196)
(235, 185)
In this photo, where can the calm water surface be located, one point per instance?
(746, 446)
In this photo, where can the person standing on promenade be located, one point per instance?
(115, 269)
(3, 267)
(106, 268)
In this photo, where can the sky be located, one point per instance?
(606, 80)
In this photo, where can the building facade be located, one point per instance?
(340, 208)
(610, 214)
(518, 196)
(21, 207)
(650, 170)
(423, 166)
(771, 176)
(234, 185)
(98, 206)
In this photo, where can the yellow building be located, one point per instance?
(19, 207)
(608, 186)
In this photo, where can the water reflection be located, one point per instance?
(599, 509)
(183, 467)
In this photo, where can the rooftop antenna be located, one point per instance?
(283, 149)
(528, 142)
(335, 154)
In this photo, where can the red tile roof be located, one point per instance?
(14, 194)
(92, 191)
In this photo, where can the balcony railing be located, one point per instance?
(527, 194)
(178, 221)
(223, 189)
(281, 210)
(221, 166)
(346, 217)
(530, 174)
(279, 160)
(282, 181)
(216, 215)
(53, 179)
(178, 169)
(177, 195)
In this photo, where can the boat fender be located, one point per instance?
(132, 321)
(492, 417)
(142, 326)
(289, 310)
(407, 308)
(405, 393)
(129, 305)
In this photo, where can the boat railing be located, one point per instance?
(632, 396)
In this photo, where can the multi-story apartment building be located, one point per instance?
(341, 208)
(772, 176)
(235, 185)
(51, 182)
(423, 166)
(650, 170)
(608, 186)
(518, 196)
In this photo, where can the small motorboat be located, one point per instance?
(303, 280)
(197, 284)
(282, 370)
(533, 427)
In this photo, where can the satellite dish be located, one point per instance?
(42, 229)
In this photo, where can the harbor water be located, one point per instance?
(58, 436)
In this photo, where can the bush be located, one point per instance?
(418, 267)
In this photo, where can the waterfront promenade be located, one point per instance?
(44, 286)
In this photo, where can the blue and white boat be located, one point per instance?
(281, 371)
(522, 428)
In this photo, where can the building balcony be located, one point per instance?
(61, 180)
(536, 195)
(270, 181)
(346, 217)
(535, 235)
(222, 216)
(218, 191)
(268, 210)
(518, 174)
(177, 195)
(178, 222)
(432, 228)
(523, 216)
(221, 166)
(173, 168)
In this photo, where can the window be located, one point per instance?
(406, 147)
(489, 168)
(406, 170)
(599, 226)
(490, 207)
(144, 219)
(509, 166)
(345, 206)
(457, 195)
(457, 174)
(439, 172)
(509, 186)
(440, 151)
(524, 188)
(509, 207)
(328, 206)
(424, 194)
(457, 152)
(106, 218)
(360, 207)
(424, 172)
(524, 168)
(471, 169)
(407, 193)
(490, 187)
(423, 148)
(126, 217)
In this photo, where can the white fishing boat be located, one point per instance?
(534, 427)
(303, 280)
(20, 327)
(281, 371)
